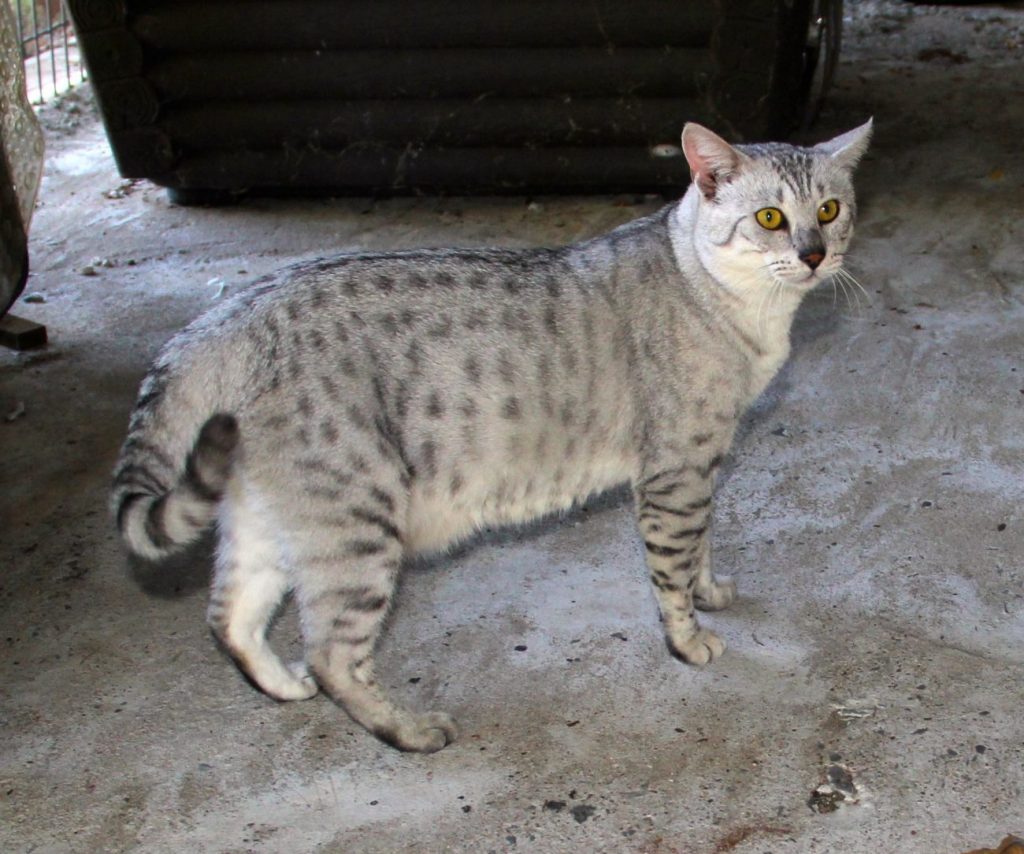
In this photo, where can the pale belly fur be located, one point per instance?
(436, 520)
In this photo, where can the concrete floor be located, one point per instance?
(871, 696)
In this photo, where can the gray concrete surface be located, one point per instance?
(871, 512)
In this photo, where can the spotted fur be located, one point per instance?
(353, 411)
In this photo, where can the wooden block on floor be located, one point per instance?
(20, 334)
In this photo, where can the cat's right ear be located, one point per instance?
(712, 160)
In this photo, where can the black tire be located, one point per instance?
(13, 241)
(772, 60)
(511, 97)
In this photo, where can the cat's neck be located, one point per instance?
(763, 310)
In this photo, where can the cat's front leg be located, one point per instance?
(674, 514)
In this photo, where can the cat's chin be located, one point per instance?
(806, 283)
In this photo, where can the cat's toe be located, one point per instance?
(305, 685)
(424, 733)
(701, 647)
(717, 595)
(296, 686)
(445, 723)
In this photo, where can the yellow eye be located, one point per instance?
(828, 211)
(770, 218)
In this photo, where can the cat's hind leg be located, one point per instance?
(347, 556)
(248, 588)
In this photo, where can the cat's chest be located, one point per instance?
(765, 364)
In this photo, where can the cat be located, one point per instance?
(346, 413)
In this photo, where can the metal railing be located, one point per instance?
(49, 48)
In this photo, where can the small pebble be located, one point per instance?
(34, 297)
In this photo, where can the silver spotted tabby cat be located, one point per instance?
(350, 412)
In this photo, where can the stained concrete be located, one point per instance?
(870, 698)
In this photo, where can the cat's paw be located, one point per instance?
(421, 733)
(716, 595)
(700, 647)
(305, 686)
(294, 683)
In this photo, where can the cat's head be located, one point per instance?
(773, 213)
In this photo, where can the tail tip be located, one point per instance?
(220, 431)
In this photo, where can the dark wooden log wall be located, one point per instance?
(398, 96)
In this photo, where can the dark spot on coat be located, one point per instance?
(442, 329)
(476, 319)
(472, 368)
(316, 339)
(506, 370)
(428, 450)
(389, 322)
(551, 320)
(328, 431)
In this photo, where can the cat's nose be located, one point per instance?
(812, 259)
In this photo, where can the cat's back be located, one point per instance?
(366, 281)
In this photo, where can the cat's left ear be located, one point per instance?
(712, 160)
(848, 148)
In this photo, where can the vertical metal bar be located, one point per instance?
(53, 50)
(21, 28)
(35, 37)
(64, 35)
(33, 29)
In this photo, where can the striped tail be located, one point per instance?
(156, 517)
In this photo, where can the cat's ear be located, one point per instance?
(712, 160)
(848, 148)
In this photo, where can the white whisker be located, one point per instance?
(846, 291)
(844, 280)
(853, 280)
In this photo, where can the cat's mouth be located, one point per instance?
(806, 282)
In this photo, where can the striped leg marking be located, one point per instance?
(674, 514)
(348, 572)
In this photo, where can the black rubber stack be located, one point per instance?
(13, 241)
(215, 97)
